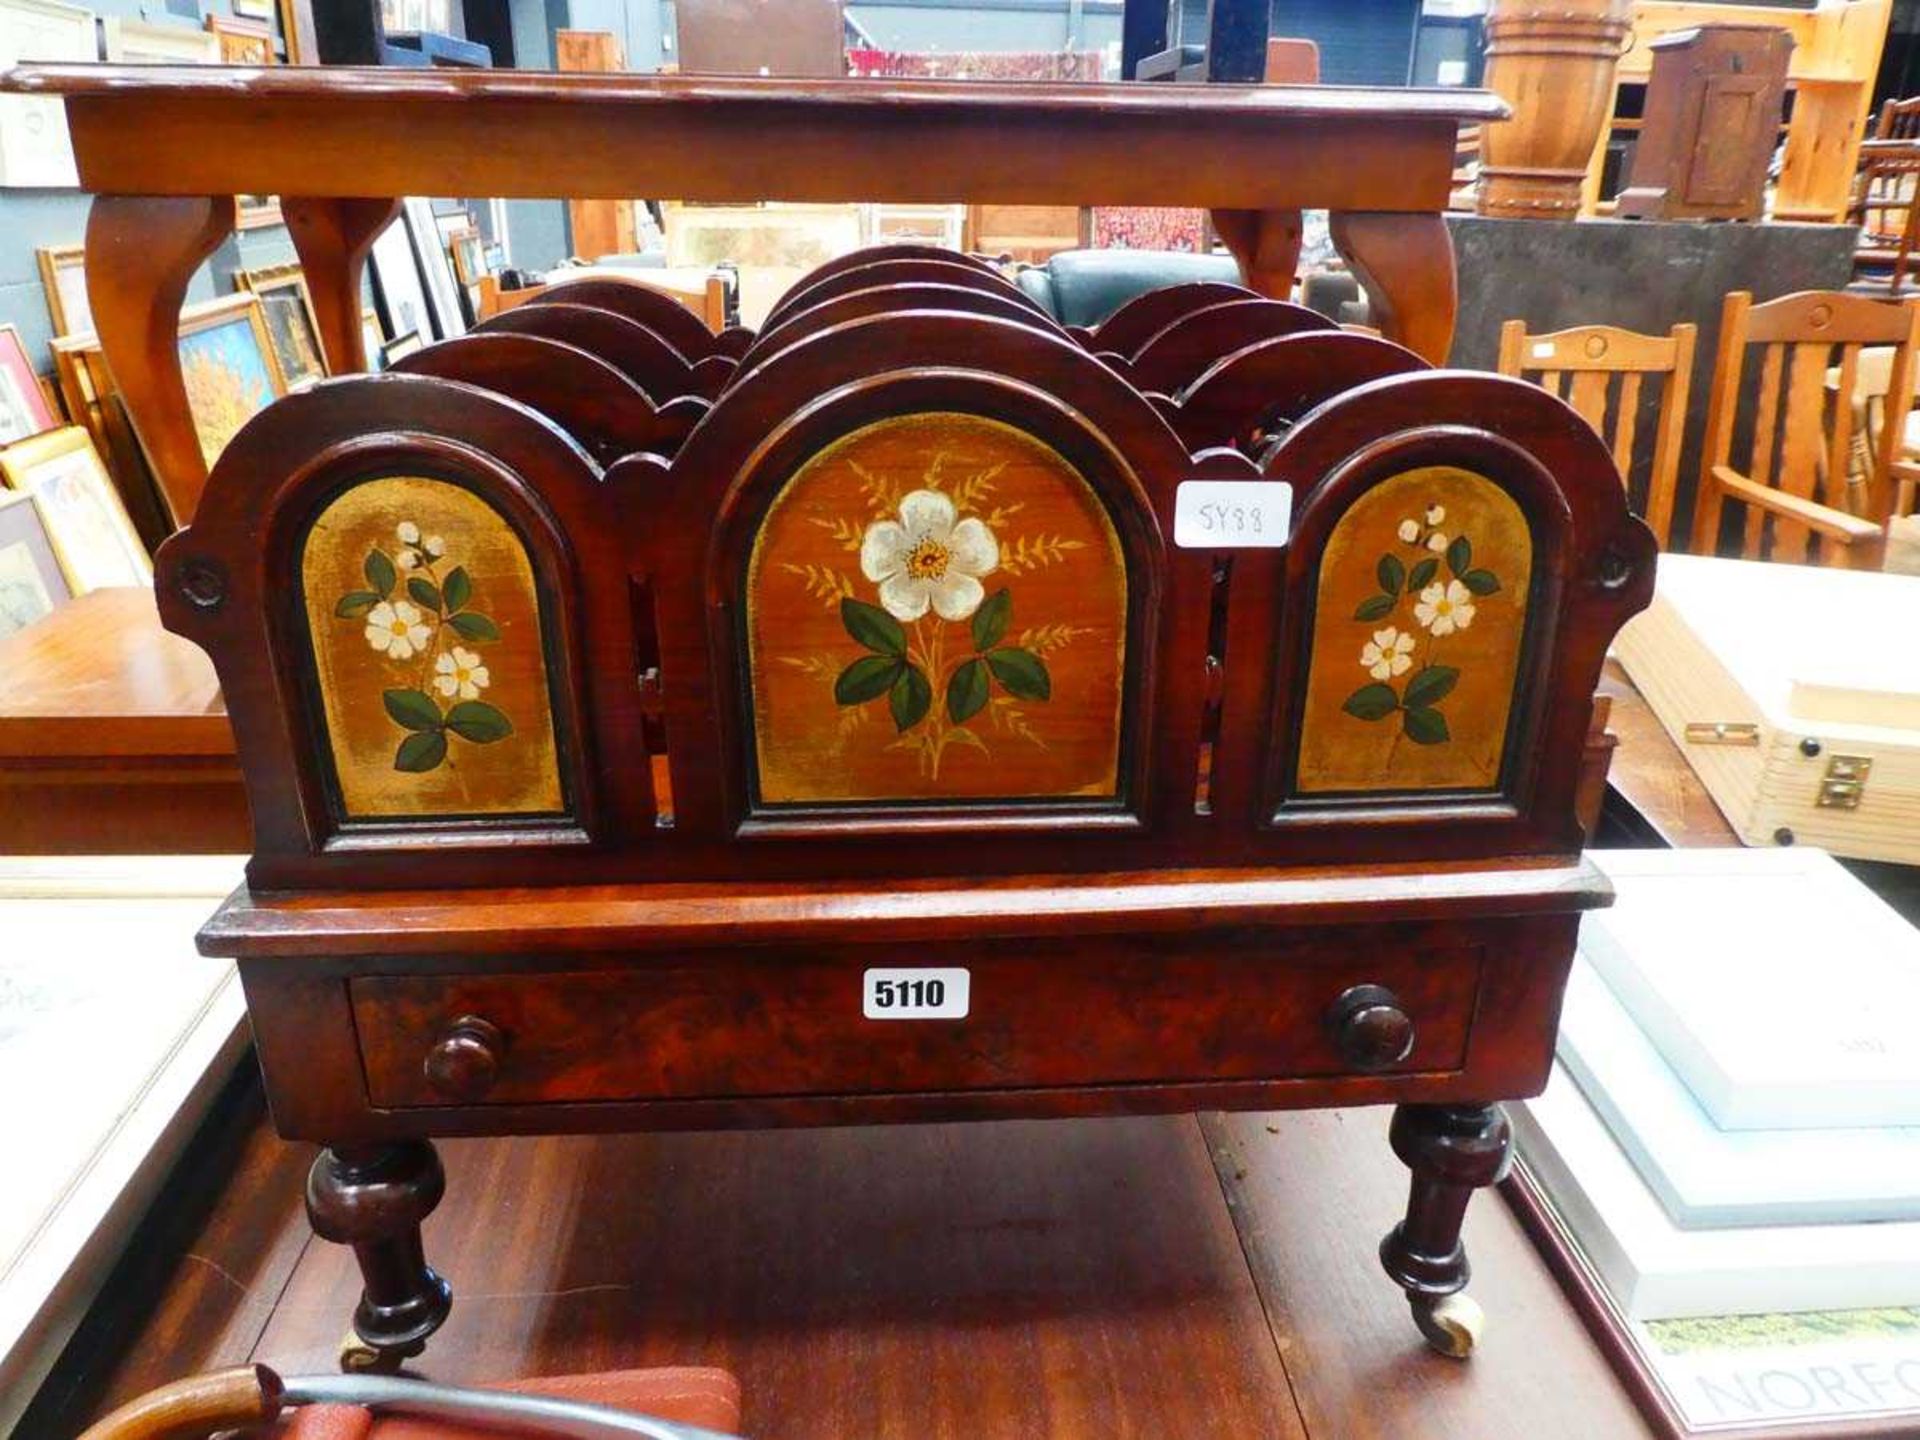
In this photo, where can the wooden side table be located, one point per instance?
(114, 738)
(340, 145)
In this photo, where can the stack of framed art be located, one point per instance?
(292, 326)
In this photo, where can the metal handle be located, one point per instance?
(464, 1062)
(1370, 1027)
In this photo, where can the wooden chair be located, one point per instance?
(1793, 482)
(1598, 370)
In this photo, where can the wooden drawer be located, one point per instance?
(1141, 1010)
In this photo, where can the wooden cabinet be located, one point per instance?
(1711, 123)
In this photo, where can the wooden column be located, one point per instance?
(1406, 263)
(141, 252)
(333, 238)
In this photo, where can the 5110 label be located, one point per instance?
(916, 994)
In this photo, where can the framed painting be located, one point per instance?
(291, 322)
(372, 338)
(23, 406)
(397, 287)
(257, 211)
(227, 360)
(242, 41)
(32, 585)
(141, 42)
(469, 255)
(92, 538)
(399, 348)
(63, 275)
(436, 268)
(34, 147)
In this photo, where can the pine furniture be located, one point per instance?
(1795, 430)
(1600, 370)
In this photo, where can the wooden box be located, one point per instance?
(1711, 124)
(1776, 683)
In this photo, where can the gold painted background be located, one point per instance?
(1419, 623)
(480, 649)
(854, 532)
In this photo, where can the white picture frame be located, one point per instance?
(35, 149)
(142, 42)
(436, 266)
(397, 287)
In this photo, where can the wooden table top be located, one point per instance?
(99, 678)
(350, 131)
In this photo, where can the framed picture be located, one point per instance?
(257, 211)
(32, 585)
(436, 268)
(92, 537)
(397, 287)
(242, 41)
(34, 148)
(254, 9)
(227, 360)
(469, 256)
(399, 348)
(141, 42)
(372, 338)
(63, 275)
(292, 324)
(23, 405)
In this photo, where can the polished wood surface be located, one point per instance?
(1243, 1306)
(1185, 1278)
(1379, 160)
(113, 738)
(516, 133)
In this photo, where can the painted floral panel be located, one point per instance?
(426, 638)
(1420, 619)
(936, 609)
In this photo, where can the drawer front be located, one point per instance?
(764, 1023)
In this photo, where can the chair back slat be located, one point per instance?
(1827, 425)
(1601, 370)
(1626, 418)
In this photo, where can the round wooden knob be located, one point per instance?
(464, 1062)
(1370, 1028)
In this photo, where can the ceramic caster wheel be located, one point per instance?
(357, 1357)
(1452, 1324)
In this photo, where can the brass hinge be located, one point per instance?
(1845, 783)
(1721, 732)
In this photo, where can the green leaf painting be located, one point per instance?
(425, 635)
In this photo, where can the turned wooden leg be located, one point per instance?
(1406, 263)
(373, 1197)
(333, 237)
(1267, 245)
(1452, 1150)
(141, 252)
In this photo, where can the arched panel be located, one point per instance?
(1421, 611)
(937, 608)
(429, 655)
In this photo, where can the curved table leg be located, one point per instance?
(333, 238)
(1267, 245)
(141, 252)
(1406, 263)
